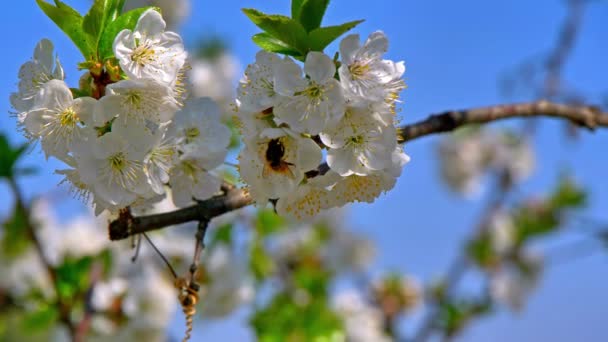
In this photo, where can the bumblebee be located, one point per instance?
(275, 153)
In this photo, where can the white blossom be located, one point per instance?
(160, 160)
(364, 74)
(275, 163)
(34, 74)
(112, 165)
(462, 162)
(151, 300)
(150, 52)
(309, 199)
(362, 322)
(190, 180)
(502, 232)
(360, 143)
(310, 104)
(256, 91)
(57, 118)
(201, 133)
(138, 100)
(229, 285)
(467, 156)
(361, 188)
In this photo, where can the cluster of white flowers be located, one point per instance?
(343, 249)
(467, 155)
(141, 135)
(362, 321)
(346, 107)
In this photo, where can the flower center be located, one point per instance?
(190, 169)
(117, 162)
(192, 133)
(356, 140)
(143, 55)
(358, 70)
(314, 91)
(68, 117)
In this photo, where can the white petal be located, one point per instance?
(309, 155)
(288, 78)
(319, 67)
(348, 48)
(150, 23)
(343, 161)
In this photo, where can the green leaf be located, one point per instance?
(73, 276)
(15, 240)
(281, 27)
(70, 22)
(9, 156)
(321, 37)
(481, 251)
(260, 263)
(223, 234)
(285, 319)
(271, 44)
(296, 6)
(41, 319)
(568, 195)
(268, 222)
(101, 13)
(532, 222)
(311, 13)
(125, 21)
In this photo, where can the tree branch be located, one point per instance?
(126, 226)
(586, 116)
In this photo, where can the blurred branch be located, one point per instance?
(563, 47)
(461, 264)
(84, 325)
(233, 199)
(30, 230)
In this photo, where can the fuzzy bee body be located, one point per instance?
(275, 153)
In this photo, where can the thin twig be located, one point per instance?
(198, 248)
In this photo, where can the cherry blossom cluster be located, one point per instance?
(135, 131)
(291, 116)
(470, 154)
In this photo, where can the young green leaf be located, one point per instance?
(40, 319)
(311, 13)
(9, 156)
(14, 240)
(70, 22)
(568, 195)
(321, 37)
(271, 44)
(127, 21)
(281, 27)
(296, 6)
(101, 13)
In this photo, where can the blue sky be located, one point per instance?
(454, 52)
